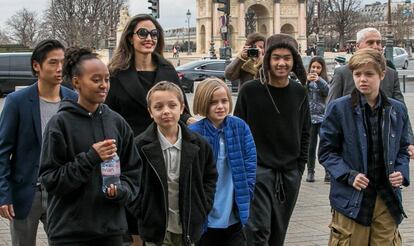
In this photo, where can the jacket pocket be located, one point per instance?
(339, 236)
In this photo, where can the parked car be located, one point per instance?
(400, 58)
(200, 70)
(306, 60)
(15, 70)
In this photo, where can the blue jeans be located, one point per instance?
(313, 142)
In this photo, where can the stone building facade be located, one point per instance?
(265, 16)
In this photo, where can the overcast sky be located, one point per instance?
(172, 12)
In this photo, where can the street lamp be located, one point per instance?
(389, 43)
(319, 36)
(188, 21)
(111, 44)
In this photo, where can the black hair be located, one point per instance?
(255, 37)
(321, 61)
(298, 69)
(74, 56)
(42, 49)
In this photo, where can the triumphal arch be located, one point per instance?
(246, 16)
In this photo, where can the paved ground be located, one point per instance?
(309, 223)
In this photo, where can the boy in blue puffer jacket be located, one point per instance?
(235, 155)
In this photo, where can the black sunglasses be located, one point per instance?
(142, 33)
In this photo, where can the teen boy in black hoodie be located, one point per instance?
(276, 109)
(77, 139)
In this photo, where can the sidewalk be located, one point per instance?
(311, 217)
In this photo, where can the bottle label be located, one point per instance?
(111, 169)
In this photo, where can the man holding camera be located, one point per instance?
(246, 65)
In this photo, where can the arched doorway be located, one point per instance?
(203, 39)
(263, 30)
(288, 29)
(256, 18)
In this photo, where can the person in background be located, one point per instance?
(22, 123)
(245, 67)
(235, 156)
(363, 145)
(339, 61)
(179, 174)
(317, 91)
(137, 65)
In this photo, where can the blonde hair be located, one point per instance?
(204, 94)
(371, 56)
(166, 86)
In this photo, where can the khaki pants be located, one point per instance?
(382, 232)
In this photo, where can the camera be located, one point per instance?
(253, 52)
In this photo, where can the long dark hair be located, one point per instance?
(124, 54)
(321, 61)
(254, 37)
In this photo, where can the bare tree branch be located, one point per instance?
(24, 27)
(85, 23)
(343, 17)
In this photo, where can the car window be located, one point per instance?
(213, 66)
(4, 63)
(20, 63)
(189, 65)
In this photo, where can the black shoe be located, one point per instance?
(310, 177)
(327, 178)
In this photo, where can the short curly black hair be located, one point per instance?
(74, 56)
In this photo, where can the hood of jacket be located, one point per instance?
(282, 41)
(74, 107)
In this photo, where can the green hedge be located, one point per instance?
(14, 48)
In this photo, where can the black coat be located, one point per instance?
(197, 185)
(77, 209)
(127, 96)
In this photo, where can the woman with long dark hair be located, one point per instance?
(136, 66)
(317, 92)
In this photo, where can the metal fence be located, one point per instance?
(405, 81)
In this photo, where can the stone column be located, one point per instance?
(215, 22)
(242, 20)
(302, 25)
(276, 20)
(302, 18)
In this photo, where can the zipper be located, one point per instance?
(188, 239)
(163, 191)
(356, 204)
(386, 142)
(387, 162)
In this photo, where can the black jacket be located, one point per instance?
(78, 210)
(127, 96)
(197, 185)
